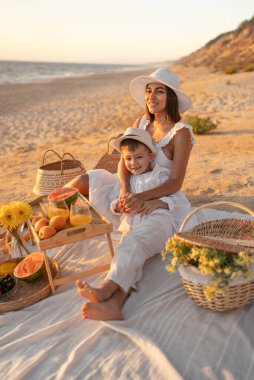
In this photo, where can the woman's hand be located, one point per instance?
(132, 203)
(152, 205)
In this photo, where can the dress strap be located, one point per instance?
(143, 124)
(169, 136)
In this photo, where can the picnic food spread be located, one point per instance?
(35, 275)
(67, 194)
(30, 268)
(57, 222)
(58, 210)
(7, 267)
(46, 232)
(7, 283)
(41, 226)
(16, 293)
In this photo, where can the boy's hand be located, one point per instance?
(119, 206)
(132, 203)
(124, 192)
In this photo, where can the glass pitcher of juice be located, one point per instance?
(80, 215)
(58, 209)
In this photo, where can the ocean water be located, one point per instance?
(26, 72)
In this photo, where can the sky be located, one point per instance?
(114, 31)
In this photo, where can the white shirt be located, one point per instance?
(138, 184)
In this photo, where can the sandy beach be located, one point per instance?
(79, 115)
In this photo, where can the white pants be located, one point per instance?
(148, 239)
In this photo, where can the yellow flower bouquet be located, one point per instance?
(12, 216)
(215, 258)
(221, 267)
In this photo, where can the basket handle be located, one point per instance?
(49, 150)
(65, 154)
(234, 204)
(113, 138)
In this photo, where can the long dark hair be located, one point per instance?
(172, 107)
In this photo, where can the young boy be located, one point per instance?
(138, 152)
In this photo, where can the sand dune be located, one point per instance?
(78, 115)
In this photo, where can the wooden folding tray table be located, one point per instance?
(99, 226)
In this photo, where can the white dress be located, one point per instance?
(102, 183)
(149, 237)
(182, 205)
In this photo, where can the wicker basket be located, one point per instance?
(56, 174)
(109, 161)
(230, 235)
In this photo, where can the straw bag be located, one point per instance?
(109, 161)
(56, 174)
(229, 235)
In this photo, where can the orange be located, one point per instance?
(40, 223)
(46, 232)
(58, 222)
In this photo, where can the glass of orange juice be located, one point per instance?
(58, 209)
(80, 214)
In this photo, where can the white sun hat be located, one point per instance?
(135, 134)
(162, 75)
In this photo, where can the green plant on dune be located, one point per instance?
(201, 125)
(231, 69)
(249, 68)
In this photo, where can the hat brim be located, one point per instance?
(117, 142)
(138, 87)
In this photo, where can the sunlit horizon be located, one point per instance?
(135, 32)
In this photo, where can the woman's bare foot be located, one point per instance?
(103, 311)
(100, 294)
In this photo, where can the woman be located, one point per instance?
(160, 94)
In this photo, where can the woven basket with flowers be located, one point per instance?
(215, 260)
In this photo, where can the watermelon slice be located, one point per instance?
(67, 194)
(30, 268)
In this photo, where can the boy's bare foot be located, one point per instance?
(100, 294)
(86, 291)
(103, 311)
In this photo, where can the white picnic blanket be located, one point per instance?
(165, 335)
